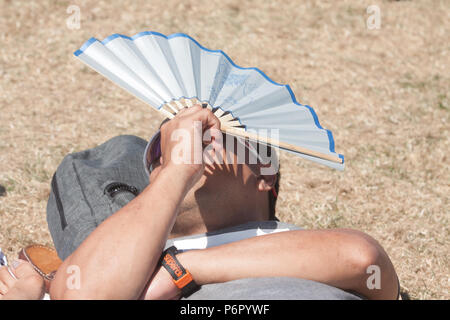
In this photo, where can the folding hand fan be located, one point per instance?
(170, 72)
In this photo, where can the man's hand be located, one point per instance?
(182, 143)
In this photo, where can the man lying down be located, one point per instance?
(199, 230)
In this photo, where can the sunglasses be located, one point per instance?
(153, 153)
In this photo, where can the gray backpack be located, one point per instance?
(91, 185)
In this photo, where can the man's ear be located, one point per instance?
(265, 183)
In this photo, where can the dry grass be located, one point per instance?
(384, 94)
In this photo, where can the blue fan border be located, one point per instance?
(145, 33)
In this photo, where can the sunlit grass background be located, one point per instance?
(384, 93)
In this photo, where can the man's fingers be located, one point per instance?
(198, 113)
(209, 120)
(205, 115)
(188, 111)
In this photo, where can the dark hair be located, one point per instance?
(273, 198)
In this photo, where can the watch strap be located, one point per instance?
(181, 277)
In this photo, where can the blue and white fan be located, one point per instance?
(171, 72)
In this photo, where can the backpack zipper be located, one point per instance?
(116, 187)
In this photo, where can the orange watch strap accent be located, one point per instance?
(181, 277)
(184, 280)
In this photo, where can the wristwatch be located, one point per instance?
(180, 276)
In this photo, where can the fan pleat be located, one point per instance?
(262, 98)
(107, 63)
(281, 116)
(155, 54)
(196, 66)
(306, 138)
(131, 56)
(173, 66)
(222, 72)
(182, 54)
(209, 65)
(237, 86)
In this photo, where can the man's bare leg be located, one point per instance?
(26, 284)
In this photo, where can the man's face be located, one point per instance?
(228, 179)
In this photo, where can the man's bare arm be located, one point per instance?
(339, 258)
(123, 251)
(117, 259)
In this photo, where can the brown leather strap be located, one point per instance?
(44, 260)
